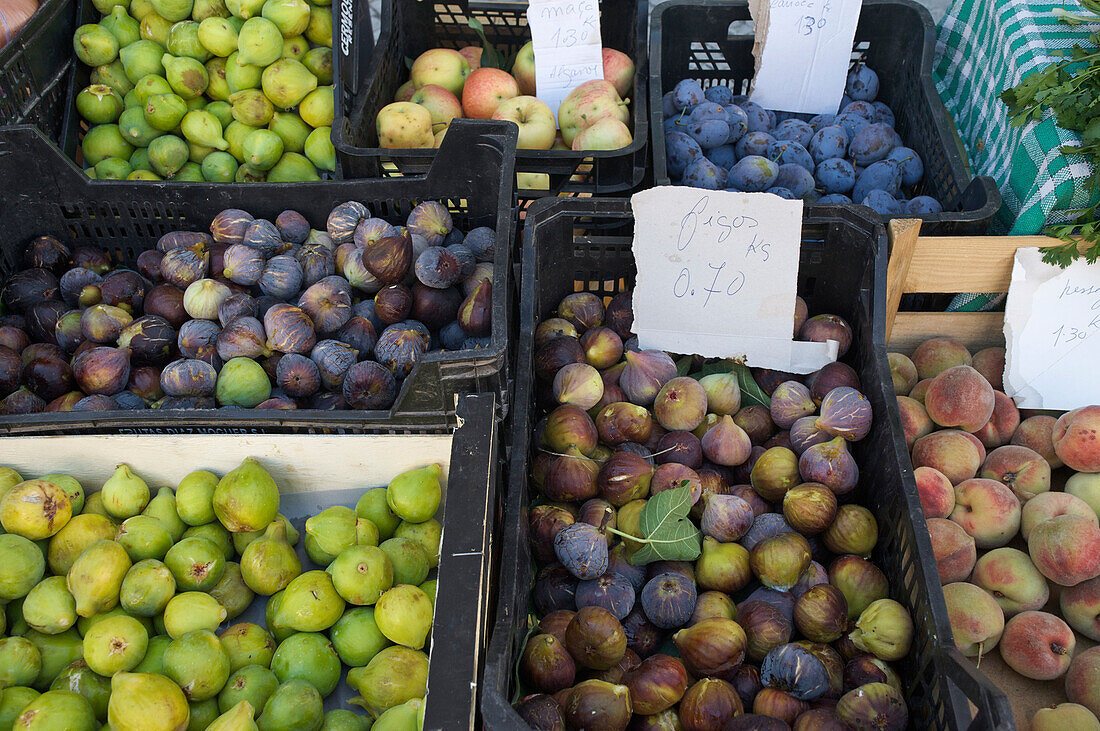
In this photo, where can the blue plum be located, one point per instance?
(753, 174)
(851, 122)
(883, 113)
(702, 173)
(835, 175)
(861, 108)
(828, 142)
(719, 94)
(789, 151)
(821, 120)
(753, 143)
(881, 175)
(710, 132)
(796, 179)
(668, 106)
(794, 130)
(909, 164)
(705, 111)
(724, 156)
(738, 122)
(680, 150)
(923, 204)
(882, 203)
(873, 143)
(686, 94)
(834, 198)
(782, 193)
(759, 120)
(862, 83)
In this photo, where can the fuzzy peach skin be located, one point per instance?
(1049, 505)
(1022, 470)
(1012, 580)
(1066, 549)
(903, 373)
(953, 548)
(914, 420)
(949, 452)
(991, 364)
(917, 394)
(1002, 424)
(1064, 717)
(1086, 486)
(1034, 432)
(987, 510)
(1083, 680)
(937, 495)
(1076, 438)
(1037, 645)
(1081, 607)
(976, 620)
(936, 355)
(960, 397)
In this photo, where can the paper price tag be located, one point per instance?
(717, 277)
(567, 44)
(1052, 333)
(803, 51)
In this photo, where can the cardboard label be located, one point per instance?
(803, 49)
(568, 46)
(1052, 333)
(717, 277)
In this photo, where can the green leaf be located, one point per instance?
(409, 63)
(683, 365)
(490, 56)
(751, 394)
(718, 366)
(669, 533)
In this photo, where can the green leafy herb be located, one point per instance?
(667, 532)
(490, 56)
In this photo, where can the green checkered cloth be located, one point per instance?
(983, 48)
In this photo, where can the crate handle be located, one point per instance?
(469, 134)
(994, 710)
(354, 41)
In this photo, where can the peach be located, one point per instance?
(1002, 425)
(959, 396)
(976, 620)
(987, 510)
(914, 420)
(937, 495)
(1063, 717)
(936, 355)
(953, 548)
(1037, 645)
(949, 452)
(1066, 549)
(902, 372)
(1050, 505)
(1012, 580)
(1022, 470)
(920, 389)
(991, 364)
(1083, 680)
(1076, 438)
(1081, 607)
(973, 440)
(1034, 433)
(1086, 486)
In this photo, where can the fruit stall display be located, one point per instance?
(431, 66)
(891, 145)
(303, 304)
(275, 582)
(709, 543)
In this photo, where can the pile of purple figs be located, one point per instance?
(254, 314)
(781, 620)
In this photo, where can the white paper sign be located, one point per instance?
(567, 44)
(717, 277)
(804, 49)
(1052, 333)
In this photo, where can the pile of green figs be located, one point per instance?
(760, 609)
(119, 605)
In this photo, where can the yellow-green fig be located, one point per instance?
(144, 537)
(164, 112)
(218, 35)
(259, 42)
(319, 30)
(400, 718)
(56, 651)
(191, 611)
(198, 664)
(95, 46)
(12, 702)
(293, 168)
(356, 637)
(196, 563)
(187, 76)
(232, 592)
(195, 496)
(49, 607)
(70, 485)
(262, 149)
(22, 567)
(393, 676)
(155, 28)
(248, 644)
(334, 529)
(253, 684)
(404, 616)
(142, 59)
(294, 704)
(79, 533)
(290, 16)
(235, 135)
(113, 75)
(308, 656)
(203, 128)
(20, 661)
(270, 563)
(85, 624)
(428, 534)
(124, 494)
(95, 578)
(79, 678)
(218, 88)
(341, 719)
(62, 710)
(291, 129)
(286, 82)
(310, 603)
(215, 533)
(414, 495)
(147, 588)
(9, 478)
(373, 506)
(272, 620)
(173, 10)
(316, 109)
(115, 645)
(240, 717)
(153, 662)
(241, 541)
(203, 9)
(203, 713)
(361, 574)
(146, 702)
(240, 76)
(35, 509)
(429, 587)
(409, 559)
(295, 47)
(183, 40)
(320, 150)
(244, 9)
(122, 26)
(246, 499)
(163, 508)
(319, 62)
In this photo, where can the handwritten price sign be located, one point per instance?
(567, 44)
(717, 276)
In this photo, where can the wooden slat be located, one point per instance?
(976, 330)
(952, 264)
(904, 233)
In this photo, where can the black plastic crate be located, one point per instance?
(411, 27)
(47, 194)
(896, 38)
(586, 245)
(34, 69)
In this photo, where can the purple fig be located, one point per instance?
(597, 704)
(569, 426)
(554, 354)
(712, 647)
(102, 370)
(368, 385)
(644, 375)
(830, 464)
(780, 560)
(873, 706)
(809, 507)
(832, 375)
(657, 684)
(845, 412)
(726, 517)
(619, 315)
(709, 704)
(624, 422)
(853, 530)
(681, 404)
(584, 309)
(595, 638)
(243, 337)
(289, 329)
(725, 443)
(544, 524)
(791, 401)
(623, 477)
(822, 328)
(805, 434)
(546, 665)
(228, 226)
(821, 613)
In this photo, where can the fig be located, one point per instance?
(791, 401)
(198, 339)
(602, 347)
(757, 423)
(775, 472)
(722, 566)
(779, 561)
(746, 681)
(668, 600)
(546, 665)
(582, 549)
(242, 337)
(794, 670)
(554, 327)
(310, 603)
(845, 412)
(657, 684)
(247, 644)
(103, 323)
(713, 604)
(41, 320)
(597, 704)
(619, 315)
(368, 385)
(552, 355)
(196, 563)
(583, 309)
(860, 581)
(884, 629)
(35, 509)
(595, 638)
(642, 636)
(327, 303)
(810, 507)
(681, 404)
(544, 524)
(186, 264)
(873, 706)
(725, 443)
(853, 530)
(231, 592)
(246, 498)
(289, 329)
(682, 447)
(821, 613)
(29, 287)
(622, 422)
(188, 377)
(21, 401)
(475, 313)
(712, 647)
(822, 328)
(115, 644)
(624, 477)
(764, 526)
(725, 517)
(830, 376)
(709, 704)
(555, 589)
(95, 578)
(805, 434)
(144, 537)
(569, 426)
(541, 712)
(645, 373)
(579, 384)
(867, 668)
(269, 563)
(612, 592)
(830, 464)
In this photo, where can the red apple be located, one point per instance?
(523, 68)
(473, 56)
(619, 70)
(444, 67)
(485, 89)
(587, 104)
(405, 91)
(537, 128)
(440, 103)
(606, 134)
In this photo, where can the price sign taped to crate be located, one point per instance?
(717, 277)
(803, 50)
(1052, 333)
(565, 35)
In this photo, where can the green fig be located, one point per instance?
(253, 684)
(49, 607)
(151, 85)
(144, 537)
(294, 705)
(167, 154)
(104, 6)
(187, 76)
(147, 588)
(320, 151)
(361, 574)
(373, 506)
(295, 47)
(404, 615)
(153, 662)
(272, 619)
(286, 82)
(13, 620)
(115, 644)
(291, 17)
(219, 36)
(99, 104)
(85, 624)
(409, 559)
(203, 713)
(316, 109)
(183, 40)
(238, 718)
(196, 563)
(218, 88)
(319, 62)
(194, 497)
(269, 564)
(124, 494)
(95, 45)
(293, 168)
(356, 637)
(135, 129)
(319, 30)
(192, 611)
(246, 499)
(142, 59)
(341, 719)
(240, 76)
(242, 381)
(400, 718)
(244, 9)
(334, 529)
(79, 678)
(216, 534)
(203, 128)
(248, 644)
(308, 656)
(79, 533)
(146, 702)
(241, 541)
(123, 27)
(291, 129)
(232, 592)
(62, 710)
(249, 174)
(112, 75)
(393, 676)
(9, 478)
(164, 112)
(35, 509)
(204, 9)
(163, 508)
(198, 664)
(310, 603)
(235, 134)
(103, 141)
(22, 567)
(155, 28)
(428, 534)
(262, 149)
(259, 42)
(428, 587)
(20, 661)
(112, 168)
(173, 10)
(72, 488)
(56, 652)
(414, 495)
(12, 702)
(252, 108)
(143, 175)
(223, 110)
